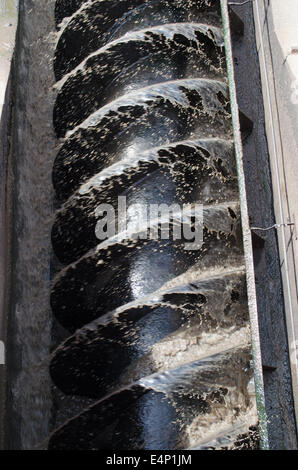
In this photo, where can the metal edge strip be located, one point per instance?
(247, 239)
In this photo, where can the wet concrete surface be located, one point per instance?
(271, 310)
(280, 85)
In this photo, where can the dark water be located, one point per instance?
(155, 337)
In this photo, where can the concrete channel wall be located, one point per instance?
(269, 289)
(8, 24)
(26, 183)
(277, 39)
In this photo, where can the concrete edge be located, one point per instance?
(5, 238)
(247, 238)
(281, 211)
(6, 214)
